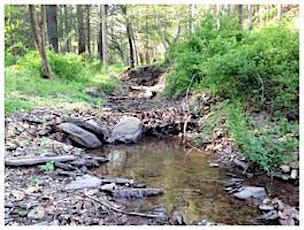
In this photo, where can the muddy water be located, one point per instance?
(190, 184)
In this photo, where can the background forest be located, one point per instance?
(245, 56)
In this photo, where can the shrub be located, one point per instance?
(253, 67)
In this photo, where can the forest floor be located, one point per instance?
(39, 195)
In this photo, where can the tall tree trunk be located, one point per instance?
(192, 14)
(81, 30)
(88, 29)
(67, 28)
(51, 14)
(250, 17)
(39, 36)
(279, 12)
(218, 15)
(129, 34)
(162, 35)
(241, 16)
(135, 50)
(104, 38)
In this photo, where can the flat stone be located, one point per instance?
(250, 192)
(271, 215)
(264, 207)
(80, 135)
(92, 127)
(108, 187)
(213, 165)
(86, 181)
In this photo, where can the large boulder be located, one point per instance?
(249, 192)
(129, 130)
(92, 127)
(80, 136)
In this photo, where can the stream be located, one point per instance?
(190, 185)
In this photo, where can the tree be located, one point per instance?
(250, 17)
(88, 8)
(81, 30)
(129, 34)
(279, 12)
(241, 16)
(51, 14)
(39, 36)
(104, 38)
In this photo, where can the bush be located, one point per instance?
(252, 67)
(267, 145)
(67, 66)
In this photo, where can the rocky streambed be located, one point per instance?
(101, 167)
(51, 177)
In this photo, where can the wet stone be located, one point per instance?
(85, 181)
(250, 192)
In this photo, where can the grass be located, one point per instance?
(264, 142)
(26, 90)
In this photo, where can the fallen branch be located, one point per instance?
(185, 127)
(38, 160)
(145, 215)
(112, 205)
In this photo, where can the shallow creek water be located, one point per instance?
(189, 183)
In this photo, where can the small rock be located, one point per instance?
(264, 207)
(285, 168)
(213, 165)
(108, 187)
(271, 215)
(86, 181)
(294, 174)
(217, 147)
(36, 213)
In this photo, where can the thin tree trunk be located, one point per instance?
(67, 29)
(191, 16)
(218, 15)
(161, 33)
(279, 12)
(81, 30)
(241, 16)
(51, 13)
(88, 29)
(135, 52)
(250, 17)
(130, 44)
(39, 35)
(104, 39)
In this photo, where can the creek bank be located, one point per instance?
(39, 196)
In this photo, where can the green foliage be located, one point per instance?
(252, 67)
(267, 144)
(34, 180)
(48, 167)
(206, 133)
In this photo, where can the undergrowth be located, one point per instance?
(26, 90)
(249, 72)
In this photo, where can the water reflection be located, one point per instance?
(189, 183)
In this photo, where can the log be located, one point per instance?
(38, 160)
(116, 180)
(134, 193)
